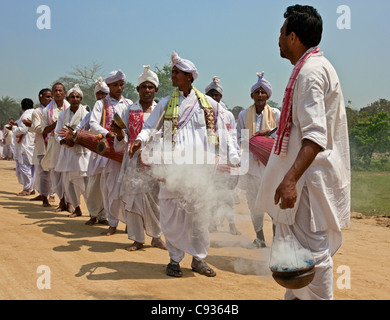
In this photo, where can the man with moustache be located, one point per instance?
(259, 119)
(73, 159)
(49, 161)
(190, 120)
(306, 185)
(138, 191)
(100, 123)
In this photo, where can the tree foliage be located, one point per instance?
(9, 108)
(369, 133)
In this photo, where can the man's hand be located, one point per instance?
(134, 147)
(286, 193)
(261, 133)
(27, 122)
(116, 130)
(66, 134)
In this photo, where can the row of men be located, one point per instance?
(305, 186)
(46, 142)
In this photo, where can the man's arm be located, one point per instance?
(286, 192)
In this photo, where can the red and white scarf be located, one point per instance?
(51, 117)
(285, 122)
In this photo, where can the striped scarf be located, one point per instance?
(284, 130)
(172, 116)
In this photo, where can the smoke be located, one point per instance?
(287, 255)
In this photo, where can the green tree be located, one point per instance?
(165, 84)
(9, 108)
(379, 106)
(130, 92)
(85, 77)
(368, 136)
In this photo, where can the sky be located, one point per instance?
(232, 39)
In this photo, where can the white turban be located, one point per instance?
(184, 65)
(77, 89)
(101, 86)
(261, 82)
(115, 76)
(148, 75)
(215, 85)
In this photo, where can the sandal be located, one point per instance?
(202, 268)
(174, 270)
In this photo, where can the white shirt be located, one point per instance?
(318, 115)
(26, 144)
(193, 134)
(255, 166)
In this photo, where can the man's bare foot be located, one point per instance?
(91, 221)
(70, 208)
(110, 231)
(76, 212)
(135, 246)
(158, 243)
(52, 199)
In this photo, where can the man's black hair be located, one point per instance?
(27, 104)
(306, 23)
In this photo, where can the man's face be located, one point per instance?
(58, 92)
(283, 42)
(259, 96)
(45, 98)
(100, 95)
(116, 88)
(180, 78)
(74, 99)
(147, 91)
(215, 95)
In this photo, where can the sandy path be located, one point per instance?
(85, 265)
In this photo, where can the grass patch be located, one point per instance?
(370, 192)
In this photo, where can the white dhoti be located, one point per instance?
(110, 189)
(94, 198)
(142, 215)
(183, 232)
(25, 173)
(322, 244)
(251, 186)
(75, 185)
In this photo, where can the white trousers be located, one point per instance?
(184, 231)
(319, 243)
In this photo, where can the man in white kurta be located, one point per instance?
(50, 115)
(139, 191)
(42, 177)
(73, 159)
(261, 91)
(306, 186)
(94, 197)
(100, 122)
(183, 231)
(24, 148)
